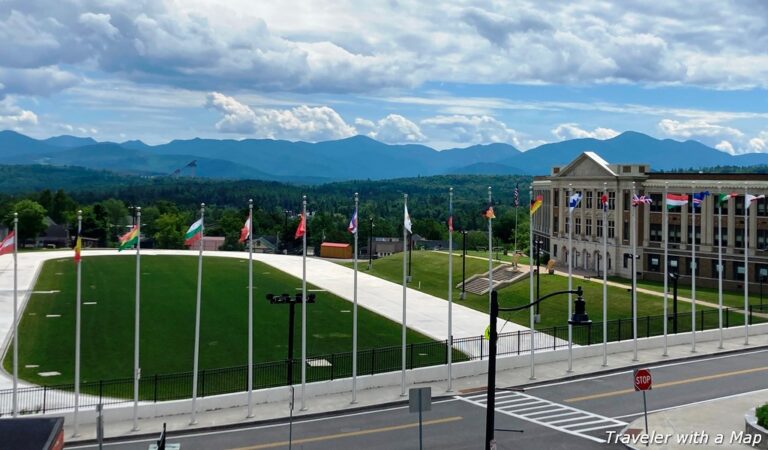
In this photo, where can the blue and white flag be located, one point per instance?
(698, 197)
(573, 202)
(352, 228)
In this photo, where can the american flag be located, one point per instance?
(642, 200)
(517, 197)
(699, 197)
(604, 201)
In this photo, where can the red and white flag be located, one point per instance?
(246, 231)
(8, 244)
(302, 228)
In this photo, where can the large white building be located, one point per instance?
(590, 175)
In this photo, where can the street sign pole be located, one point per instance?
(420, 399)
(645, 412)
(643, 381)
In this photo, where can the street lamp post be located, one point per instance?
(291, 301)
(410, 255)
(370, 243)
(579, 317)
(463, 264)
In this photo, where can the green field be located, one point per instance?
(167, 318)
(429, 274)
(734, 299)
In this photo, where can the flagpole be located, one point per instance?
(250, 308)
(693, 268)
(450, 291)
(605, 276)
(490, 252)
(304, 307)
(517, 203)
(570, 278)
(76, 430)
(720, 264)
(136, 368)
(530, 287)
(15, 315)
(405, 274)
(665, 234)
(633, 237)
(354, 310)
(197, 315)
(746, 266)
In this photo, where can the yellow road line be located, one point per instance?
(670, 383)
(352, 433)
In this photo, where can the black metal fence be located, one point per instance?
(163, 387)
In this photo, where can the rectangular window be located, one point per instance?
(674, 264)
(589, 227)
(761, 205)
(599, 227)
(655, 232)
(626, 201)
(739, 237)
(598, 205)
(589, 199)
(625, 231)
(611, 229)
(738, 269)
(554, 253)
(674, 234)
(556, 197)
(689, 265)
(578, 225)
(657, 202)
(654, 263)
(716, 239)
(739, 202)
(611, 201)
(762, 239)
(761, 273)
(698, 234)
(567, 224)
(581, 202)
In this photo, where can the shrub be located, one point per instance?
(761, 413)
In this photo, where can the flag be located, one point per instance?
(698, 197)
(604, 202)
(450, 223)
(407, 220)
(722, 198)
(517, 197)
(129, 239)
(8, 244)
(488, 213)
(246, 230)
(301, 230)
(194, 233)
(352, 227)
(674, 200)
(78, 246)
(536, 204)
(573, 202)
(751, 198)
(642, 200)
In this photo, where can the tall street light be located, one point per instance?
(579, 317)
(464, 264)
(292, 302)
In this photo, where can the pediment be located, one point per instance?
(587, 164)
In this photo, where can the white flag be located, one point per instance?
(407, 220)
(751, 198)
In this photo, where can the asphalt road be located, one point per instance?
(567, 415)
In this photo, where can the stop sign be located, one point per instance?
(642, 380)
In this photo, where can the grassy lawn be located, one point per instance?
(734, 299)
(484, 254)
(167, 319)
(430, 269)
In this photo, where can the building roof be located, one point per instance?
(334, 245)
(594, 157)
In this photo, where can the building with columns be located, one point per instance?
(590, 175)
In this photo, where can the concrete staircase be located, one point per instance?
(503, 275)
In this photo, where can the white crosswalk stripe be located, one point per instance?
(549, 414)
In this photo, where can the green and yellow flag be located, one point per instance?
(129, 239)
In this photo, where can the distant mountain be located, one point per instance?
(67, 141)
(357, 157)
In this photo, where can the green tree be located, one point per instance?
(62, 206)
(31, 219)
(170, 231)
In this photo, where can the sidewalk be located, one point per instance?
(519, 376)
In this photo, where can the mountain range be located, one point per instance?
(356, 157)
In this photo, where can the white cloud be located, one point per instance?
(694, 128)
(14, 117)
(99, 24)
(725, 146)
(573, 131)
(393, 129)
(759, 143)
(481, 129)
(299, 123)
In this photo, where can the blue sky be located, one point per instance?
(450, 74)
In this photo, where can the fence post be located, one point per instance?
(447, 349)
(750, 314)
(154, 395)
(727, 317)
(411, 355)
(45, 392)
(373, 359)
(702, 321)
(202, 383)
(518, 342)
(619, 330)
(481, 348)
(554, 339)
(589, 335)
(333, 364)
(101, 390)
(648, 326)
